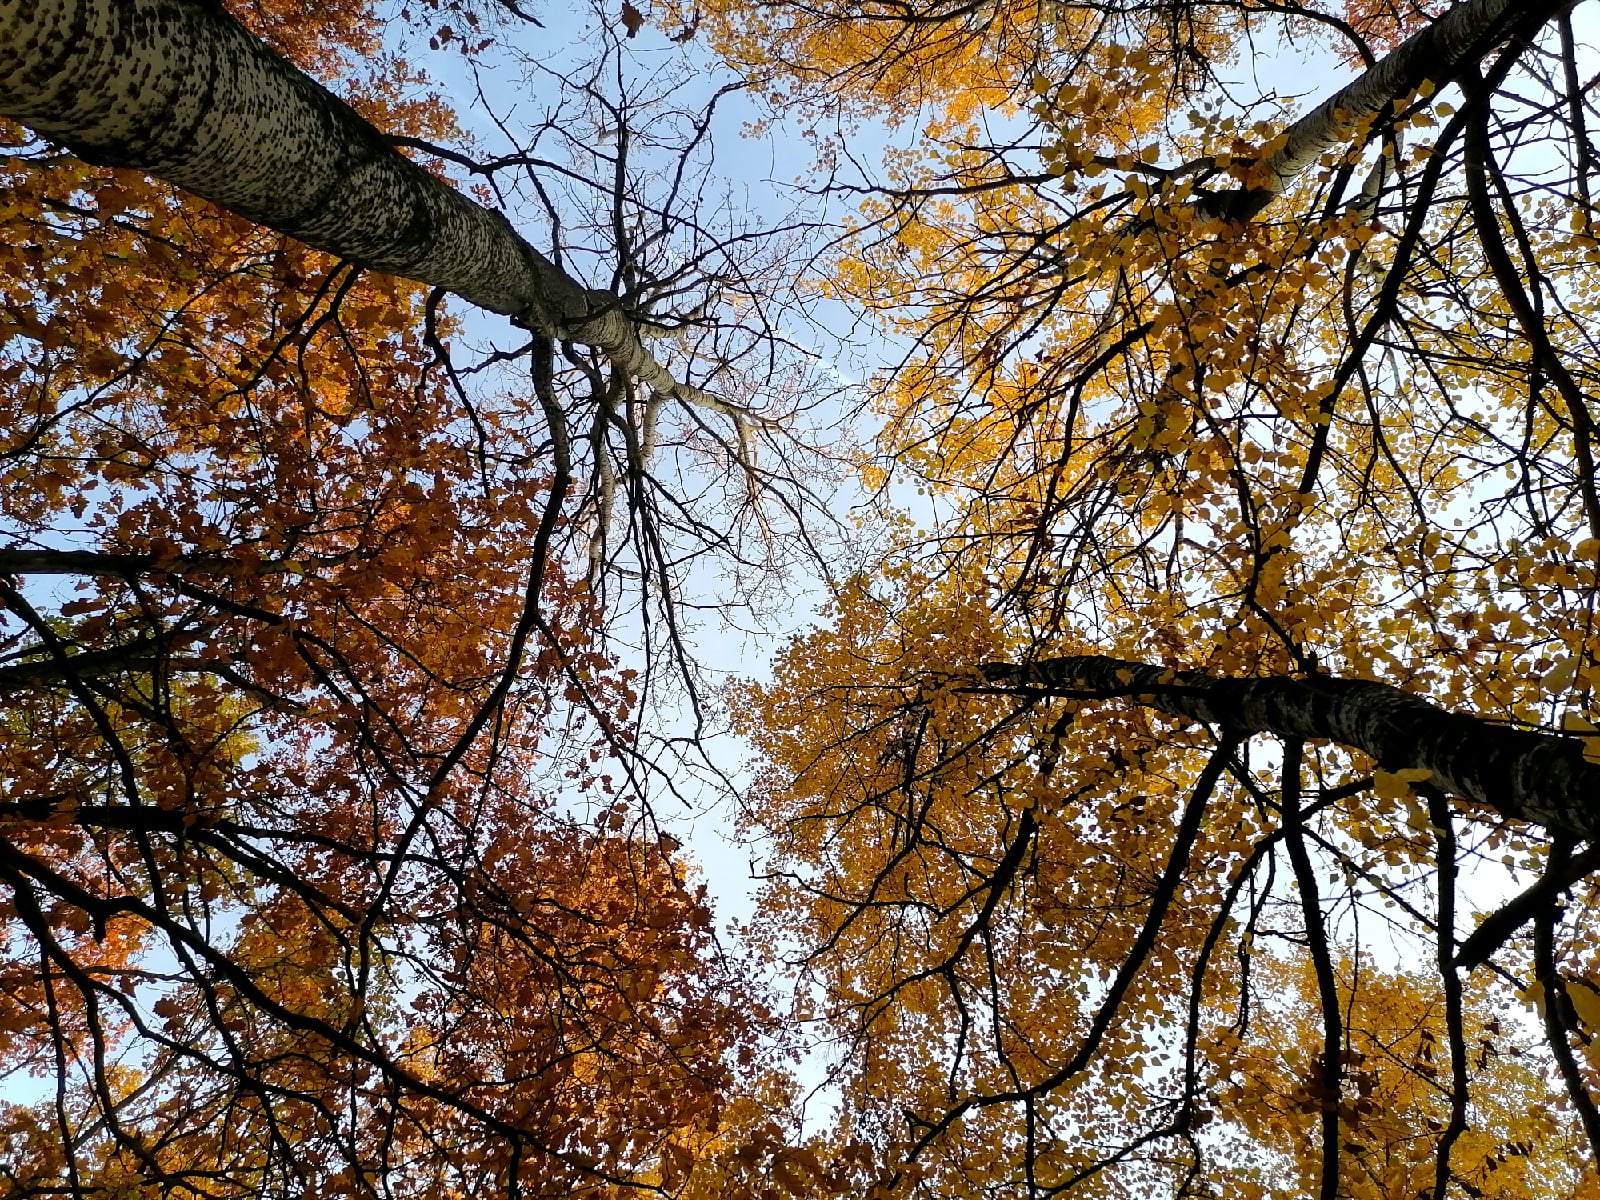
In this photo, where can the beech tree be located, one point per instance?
(327, 864)
(1124, 809)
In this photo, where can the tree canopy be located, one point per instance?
(1187, 787)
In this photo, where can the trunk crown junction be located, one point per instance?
(182, 91)
(1436, 54)
(1542, 778)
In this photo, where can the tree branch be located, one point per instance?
(1530, 776)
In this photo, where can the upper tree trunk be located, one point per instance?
(1538, 777)
(1434, 55)
(179, 89)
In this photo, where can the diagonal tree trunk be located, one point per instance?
(179, 89)
(19, 561)
(1436, 54)
(1538, 777)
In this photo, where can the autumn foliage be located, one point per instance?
(329, 861)
(291, 902)
(1171, 406)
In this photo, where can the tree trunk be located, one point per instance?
(1538, 777)
(182, 91)
(1434, 55)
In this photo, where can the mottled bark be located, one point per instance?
(1434, 55)
(179, 89)
(1538, 777)
(18, 561)
(142, 655)
(92, 562)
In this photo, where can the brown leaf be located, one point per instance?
(632, 18)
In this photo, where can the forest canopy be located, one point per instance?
(1154, 443)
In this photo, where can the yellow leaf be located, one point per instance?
(1533, 996)
(1585, 999)
(1559, 677)
(1397, 784)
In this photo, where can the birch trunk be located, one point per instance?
(1538, 777)
(182, 91)
(1434, 55)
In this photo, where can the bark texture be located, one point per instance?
(179, 89)
(91, 562)
(1538, 777)
(16, 561)
(1434, 55)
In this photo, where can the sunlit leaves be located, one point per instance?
(1129, 422)
(295, 895)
